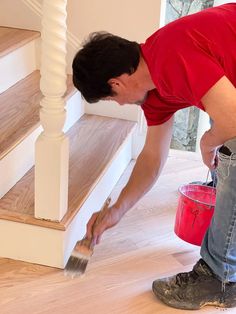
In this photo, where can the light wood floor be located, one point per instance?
(118, 279)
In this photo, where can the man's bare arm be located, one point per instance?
(145, 173)
(220, 104)
(148, 165)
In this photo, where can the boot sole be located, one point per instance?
(187, 306)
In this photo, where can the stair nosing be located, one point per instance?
(30, 220)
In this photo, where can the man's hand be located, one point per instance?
(209, 155)
(99, 222)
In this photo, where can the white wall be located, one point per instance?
(134, 20)
(14, 13)
(131, 19)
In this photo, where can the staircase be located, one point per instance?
(100, 150)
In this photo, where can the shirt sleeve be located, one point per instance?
(189, 71)
(184, 64)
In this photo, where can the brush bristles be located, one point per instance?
(78, 261)
(82, 252)
(76, 266)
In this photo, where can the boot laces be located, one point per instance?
(186, 278)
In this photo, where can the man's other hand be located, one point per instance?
(209, 153)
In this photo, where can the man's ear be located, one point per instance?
(119, 83)
(115, 83)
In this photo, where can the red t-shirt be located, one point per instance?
(186, 58)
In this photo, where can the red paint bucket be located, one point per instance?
(195, 210)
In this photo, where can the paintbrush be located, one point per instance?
(83, 250)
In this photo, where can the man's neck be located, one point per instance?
(144, 76)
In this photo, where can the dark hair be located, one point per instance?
(103, 57)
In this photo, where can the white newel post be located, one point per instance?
(52, 147)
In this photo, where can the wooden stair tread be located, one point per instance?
(14, 38)
(94, 142)
(92, 149)
(19, 110)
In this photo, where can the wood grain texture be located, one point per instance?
(119, 276)
(94, 141)
(14, 38)
(19, 110)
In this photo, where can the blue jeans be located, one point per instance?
(219, 245)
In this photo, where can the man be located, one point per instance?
(191, 61)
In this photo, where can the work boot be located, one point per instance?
(195, 289)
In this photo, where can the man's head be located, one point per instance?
(103, 68)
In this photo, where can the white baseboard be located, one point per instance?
(113, 110)
(17, 65)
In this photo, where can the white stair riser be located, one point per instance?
(20, 159)
(31, 243)
(74, 111)
(17, 162)
(18, 64)
(51, 247)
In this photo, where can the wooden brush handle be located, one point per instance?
(86, 241)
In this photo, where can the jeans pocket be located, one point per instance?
(225, 166)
